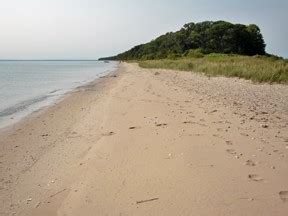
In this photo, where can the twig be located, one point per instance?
(57, 193)
(149, 200)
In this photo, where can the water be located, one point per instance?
(27, 86)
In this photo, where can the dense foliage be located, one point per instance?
(208, 37)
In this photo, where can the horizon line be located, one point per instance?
(49, 59)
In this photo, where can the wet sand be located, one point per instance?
(151, 142)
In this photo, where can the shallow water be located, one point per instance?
(26, 86)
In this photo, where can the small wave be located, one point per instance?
(54, 91)
(22, 105)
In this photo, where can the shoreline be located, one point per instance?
(38, 109)
(151, 142)
(34, 125)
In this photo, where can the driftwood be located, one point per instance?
(149, 200)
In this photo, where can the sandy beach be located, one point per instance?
(151, 142)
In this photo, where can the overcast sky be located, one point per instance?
(88, 29)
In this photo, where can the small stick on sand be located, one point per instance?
(57, 193)
(149, 200)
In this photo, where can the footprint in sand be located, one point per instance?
(162, 124)
(45, 135)
(283, 196)
(188, 122)
(255, 177)
(156, 73)
(108, 133)
(250, 163)
(228, 142)
(231, 151)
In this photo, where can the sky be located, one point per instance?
(89, 29)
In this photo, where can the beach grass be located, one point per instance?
(256, 68)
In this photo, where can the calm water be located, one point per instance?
(26, 86)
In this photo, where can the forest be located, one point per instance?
(205, 37)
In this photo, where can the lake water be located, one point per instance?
(27, 86)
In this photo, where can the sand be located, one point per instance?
(151, 142)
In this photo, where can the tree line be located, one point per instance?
(207, 37)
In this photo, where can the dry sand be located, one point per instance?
(151, 142)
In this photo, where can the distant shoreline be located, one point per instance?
(49, 60)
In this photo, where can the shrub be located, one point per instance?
(194, 53)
